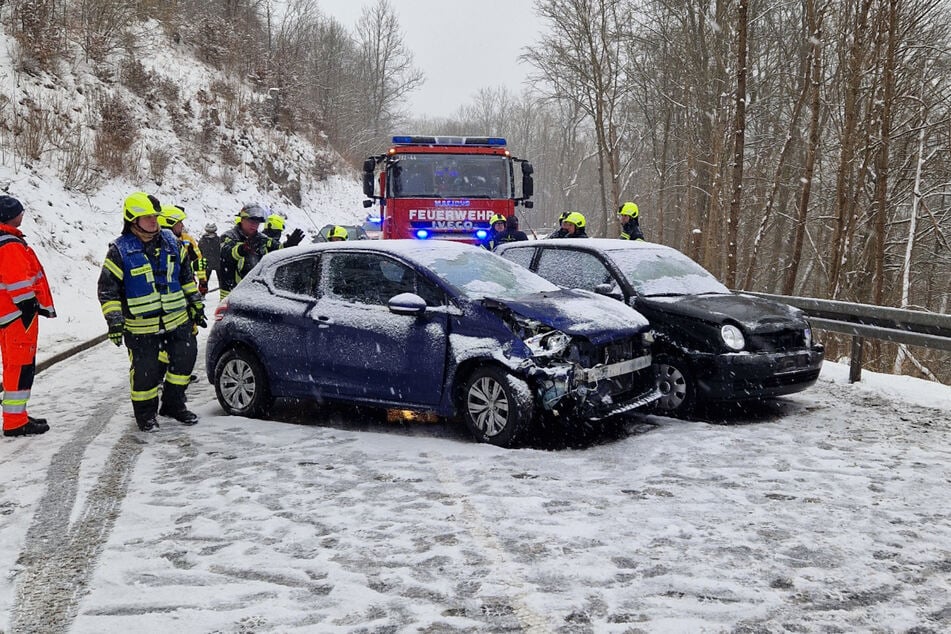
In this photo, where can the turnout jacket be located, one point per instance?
(631, 230)
(145, 286)
(240, 254)
(24, 289)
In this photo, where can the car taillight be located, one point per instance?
(221, 310)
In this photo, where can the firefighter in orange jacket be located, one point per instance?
(24, 294)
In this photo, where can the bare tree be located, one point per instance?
(387, 70)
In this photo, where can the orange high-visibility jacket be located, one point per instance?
(21, 277)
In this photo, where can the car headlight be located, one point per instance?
(548, 344)
(732, 337)
(807, 336)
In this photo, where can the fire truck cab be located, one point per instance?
(445, 187)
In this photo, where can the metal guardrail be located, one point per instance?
(897, 325)
(80, 347)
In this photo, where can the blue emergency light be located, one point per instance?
(422, 234)
(490, 141)
(481, 234)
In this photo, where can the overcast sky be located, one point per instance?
(461, 45)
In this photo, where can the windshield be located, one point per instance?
(477, 273)
(665, 272)
(449, 176)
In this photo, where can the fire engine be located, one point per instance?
(445, 187)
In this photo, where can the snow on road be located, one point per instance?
(824, 511)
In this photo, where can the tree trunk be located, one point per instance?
(739, 132)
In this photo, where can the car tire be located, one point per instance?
(497, 406)
(241, 384)
(676, 384)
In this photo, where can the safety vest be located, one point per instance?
(153, 293)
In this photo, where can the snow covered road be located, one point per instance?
(825, 511)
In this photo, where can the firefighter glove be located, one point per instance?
(115, 332)
(197, 312)
(203, 287)
(244, 249)
(201, 264)
(295, 238)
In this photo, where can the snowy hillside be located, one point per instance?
(70, 230)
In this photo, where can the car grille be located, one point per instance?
(779, 341)
(589, 356)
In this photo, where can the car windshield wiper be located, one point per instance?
(664, 295)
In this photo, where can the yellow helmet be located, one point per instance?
(275, 221)
(628, 209)
(575, 218)
(337, 232)
(496, 218)
(171, 216)
(140, 204)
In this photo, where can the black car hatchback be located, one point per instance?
(711, 344)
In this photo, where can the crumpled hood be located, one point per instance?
(756, 314)
(576, 312)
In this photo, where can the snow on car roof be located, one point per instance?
(422, 252)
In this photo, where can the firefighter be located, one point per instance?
(24, 295)
(243, 246)
(173, 218)
(337, 234)
(573, 225)
(630, 225)
(273, 227)
(210, 246)
(560, 232)
(512, 233)
(496, 231)
(150, 301)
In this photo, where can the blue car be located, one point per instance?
(438, 327)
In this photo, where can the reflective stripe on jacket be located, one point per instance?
(149, 291)
(21, 276)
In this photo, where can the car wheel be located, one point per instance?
(676, 385)
(497, 406)
(241, 384)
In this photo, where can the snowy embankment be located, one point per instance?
(826, 510)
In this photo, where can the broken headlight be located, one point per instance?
(548, 344)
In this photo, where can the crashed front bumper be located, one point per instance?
(598, 392)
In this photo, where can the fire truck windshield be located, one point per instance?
(449, 176)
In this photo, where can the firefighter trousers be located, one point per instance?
(147, 371)
(18, 349)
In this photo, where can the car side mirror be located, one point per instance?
(407, 304)
(608, 290)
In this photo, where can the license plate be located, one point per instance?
(791, 364)
(592, 375)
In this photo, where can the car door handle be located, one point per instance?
(323, 321)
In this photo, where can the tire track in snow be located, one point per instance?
(57, 559)
(531, 621)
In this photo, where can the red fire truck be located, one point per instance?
(445, 187)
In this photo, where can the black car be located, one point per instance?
(711, 344)
(427, 326)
